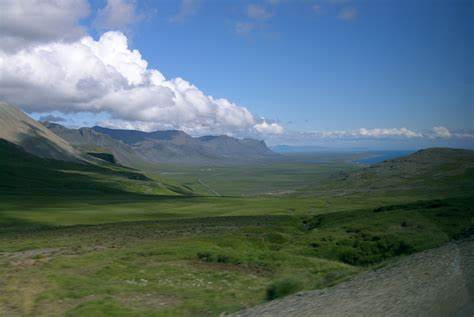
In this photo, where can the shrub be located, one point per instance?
(282, 288)
(371, 251)
(215, 258)
(275, 238)
(205, 256)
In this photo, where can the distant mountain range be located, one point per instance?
(177, 146)
(125, 147)
(417, 172)
(133, 148)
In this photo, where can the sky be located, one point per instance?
(334, 73)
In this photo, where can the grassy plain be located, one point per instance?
(103, 241)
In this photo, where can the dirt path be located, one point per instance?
(208, 187)
(438, 282)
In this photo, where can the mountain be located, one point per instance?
(134, 136)
(98, 144)
(18, 128)
(229, 147)
(178, 146)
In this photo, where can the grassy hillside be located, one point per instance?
(23, 174)
(204, 266)
(86, 240)
(430, 172)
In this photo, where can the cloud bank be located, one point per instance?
(391, 133)
(105, 75)
(47, 63)
(377, 138)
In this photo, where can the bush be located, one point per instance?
(370, 251)
(215, 258)
(282, 288)
(275, 238)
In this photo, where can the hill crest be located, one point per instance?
(19, 129)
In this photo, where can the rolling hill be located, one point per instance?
(432, 170)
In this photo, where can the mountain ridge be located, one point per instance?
(178, 146)
(20, 129)
(89, 141)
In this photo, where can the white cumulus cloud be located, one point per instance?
(441, 132)
(269, 128)
(394, 132)
(105, 75)
(24, 23)
(371, 133)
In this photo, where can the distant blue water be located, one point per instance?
(382, 156)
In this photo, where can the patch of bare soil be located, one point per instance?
(437, 282)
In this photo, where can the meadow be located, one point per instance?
(77, 240)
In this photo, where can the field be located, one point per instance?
(101, 241)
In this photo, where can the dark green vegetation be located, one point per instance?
(365, 237)
(282, 288)
(99, 240)
(203, 266)
(104, 156)
(23, 174)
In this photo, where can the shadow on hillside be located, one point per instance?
(27, 180)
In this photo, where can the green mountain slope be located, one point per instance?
(23, 174)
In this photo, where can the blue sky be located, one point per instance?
(395, 63)
(309, 67)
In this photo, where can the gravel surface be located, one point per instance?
(437, 282)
